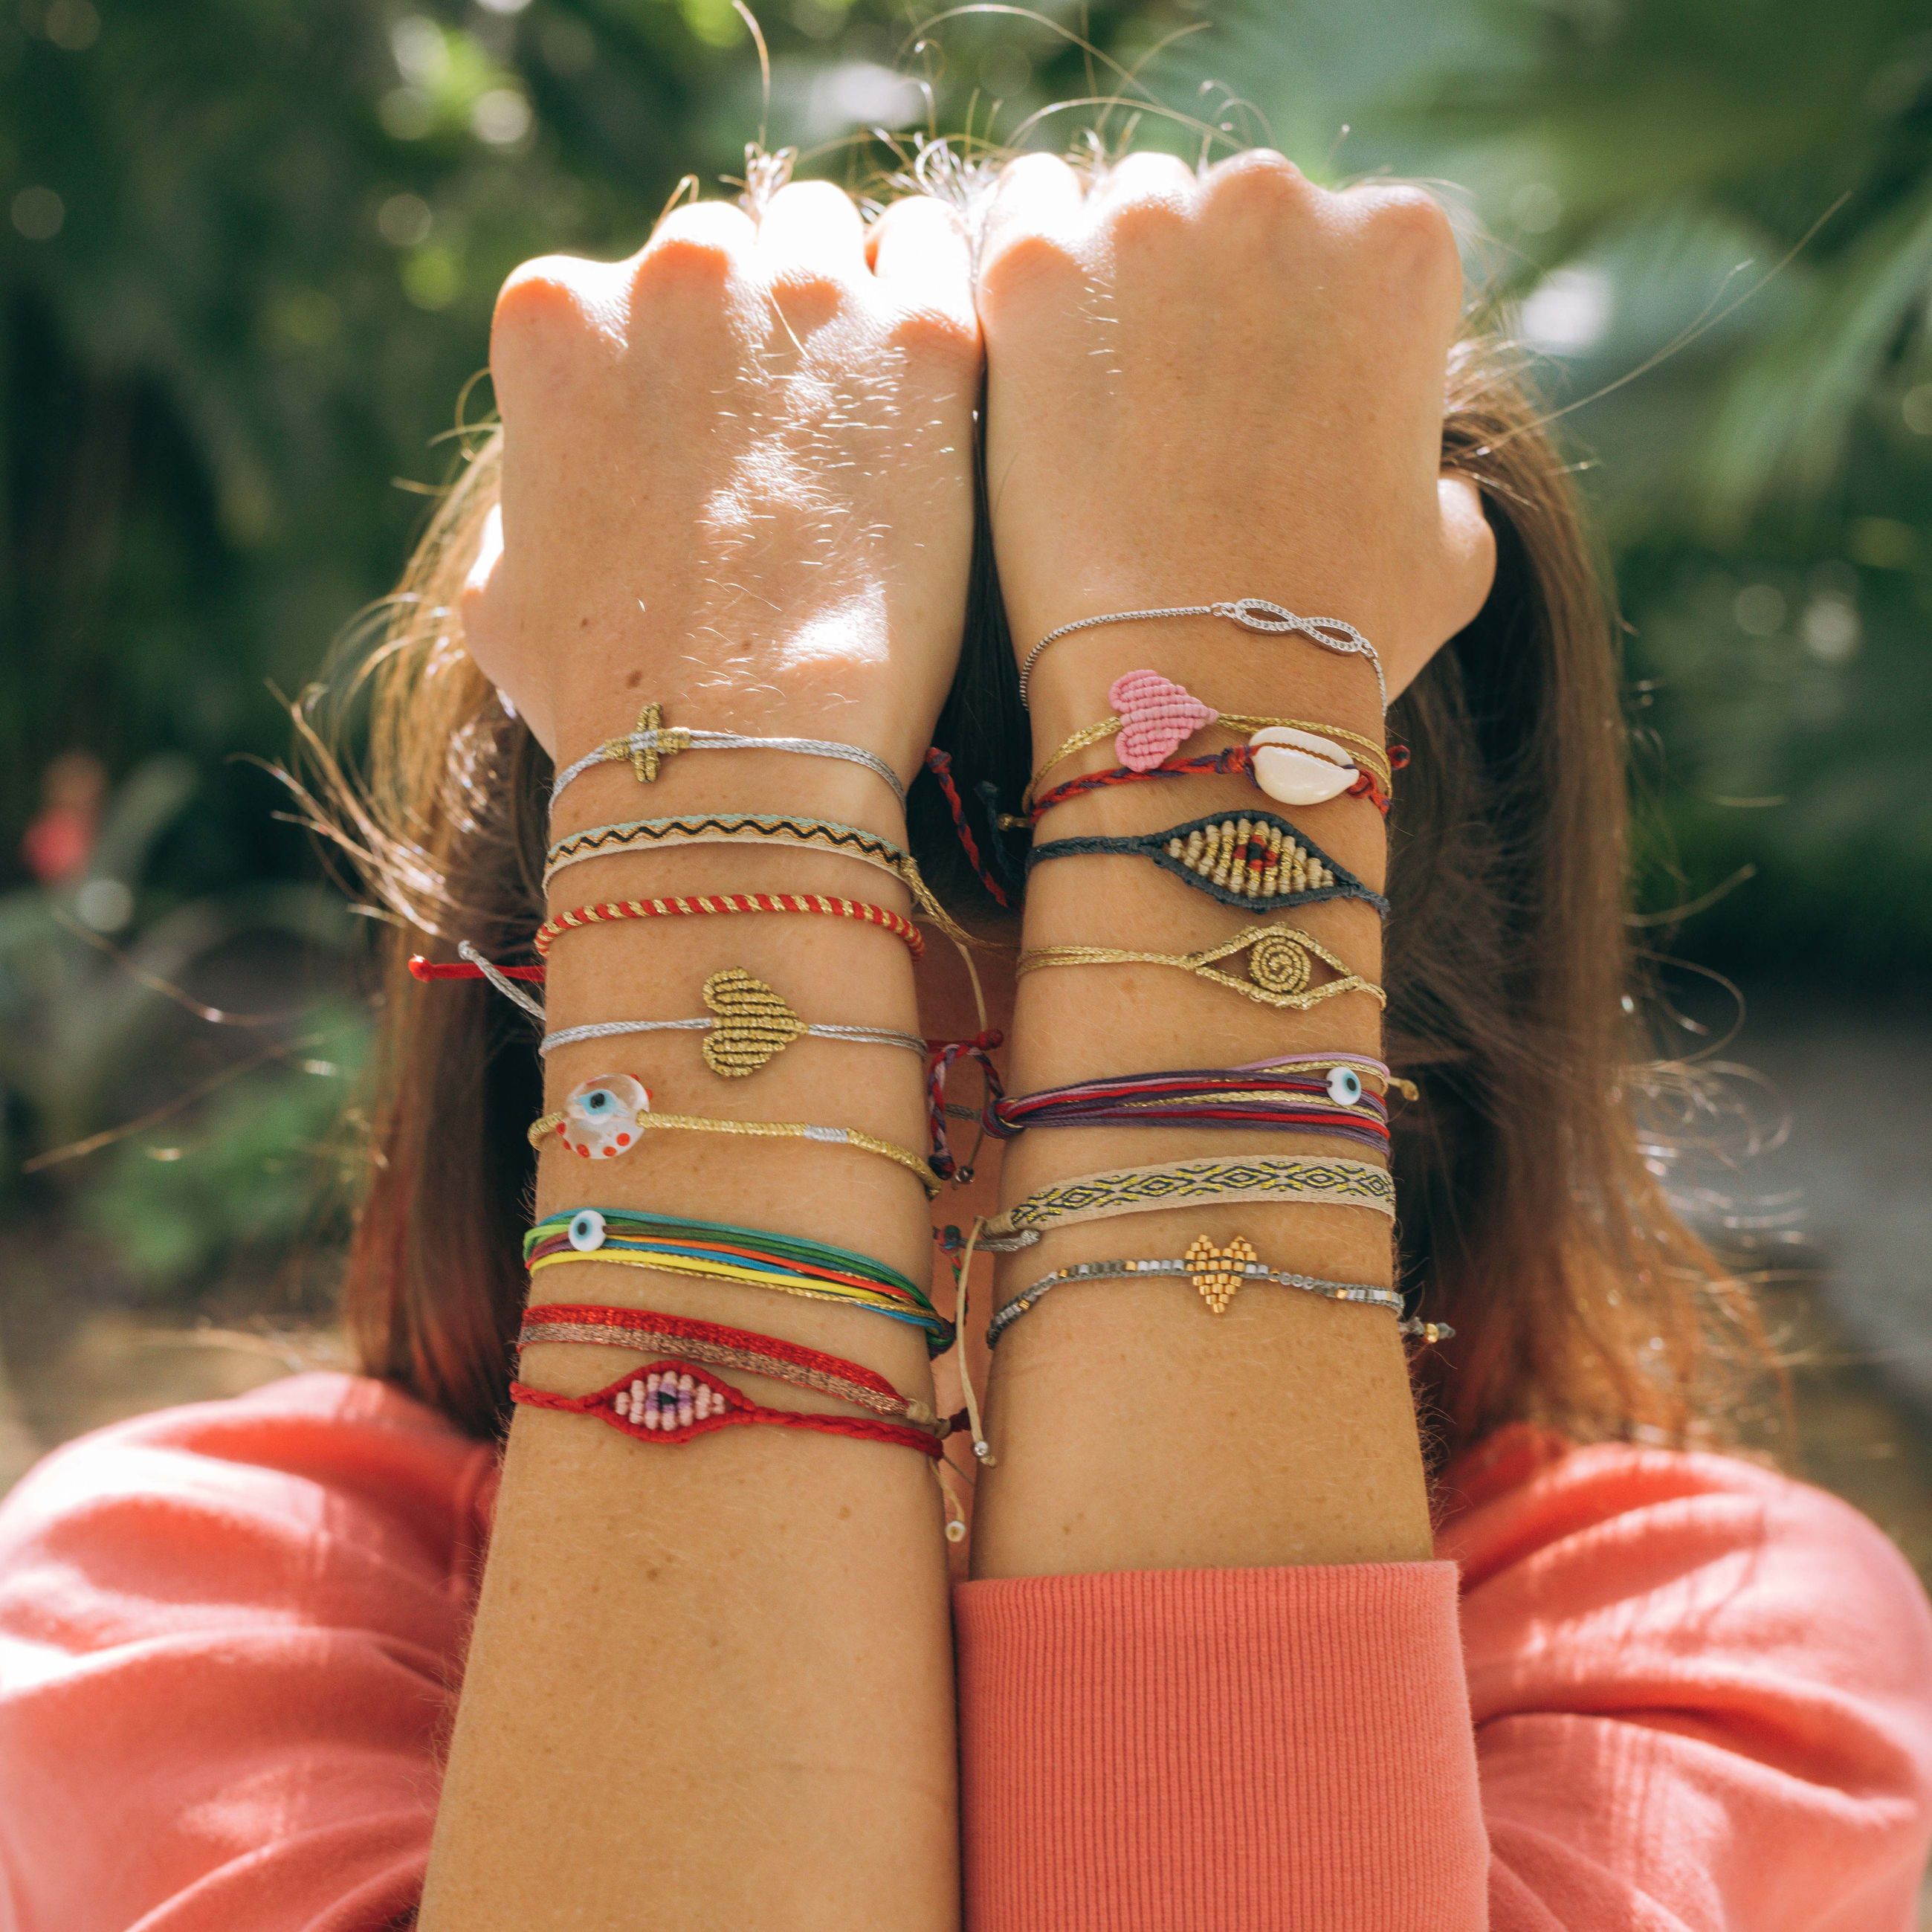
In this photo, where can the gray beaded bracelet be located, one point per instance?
(653, 741)
(1216, 1274)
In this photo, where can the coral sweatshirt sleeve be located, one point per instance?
(1681, 1694)
(229, 1634)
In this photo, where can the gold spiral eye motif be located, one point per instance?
(1278, 964)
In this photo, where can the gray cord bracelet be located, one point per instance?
(1217, 1273)
(644, 749)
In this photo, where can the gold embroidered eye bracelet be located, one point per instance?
(1251, 859)
(1280, 964)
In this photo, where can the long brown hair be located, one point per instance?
(1530, 1215)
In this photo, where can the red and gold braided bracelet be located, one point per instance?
(897, 924)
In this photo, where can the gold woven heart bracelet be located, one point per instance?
(749, 1025)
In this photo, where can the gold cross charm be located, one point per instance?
(648, 744)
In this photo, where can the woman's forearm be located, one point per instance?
(712, 1678)
(1134, 1429)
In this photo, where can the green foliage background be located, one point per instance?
(247, 259)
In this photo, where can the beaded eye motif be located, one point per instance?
(604, 1118)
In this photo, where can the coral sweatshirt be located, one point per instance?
(1638, 1690)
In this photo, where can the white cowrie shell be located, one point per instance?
(1299, 767)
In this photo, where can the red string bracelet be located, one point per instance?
(1237, 761)
(717, 1346)
(895, 923)
(671, 1401)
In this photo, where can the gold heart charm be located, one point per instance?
(1217, 1272)
(753, 1023)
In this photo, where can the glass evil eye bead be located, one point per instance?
(604, 1118)
(587, 1230)
(1345, 1086)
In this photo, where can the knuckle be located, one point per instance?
(1148, 221)
(684, 261)
(1025, 267)
(1258, 178)
(541, 296)
(808, 297)
(936, 336)
(1412, 222)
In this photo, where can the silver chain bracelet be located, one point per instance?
(1252, 613)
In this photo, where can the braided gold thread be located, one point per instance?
(1370, 756)
(1280, 968)
(754, 1025)
(1219, 853)
(914, 1164)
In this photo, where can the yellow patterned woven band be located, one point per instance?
(1280, 966)
(1334, 1183)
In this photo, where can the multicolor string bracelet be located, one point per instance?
(1251, 859)
(750, 1024)
(1216, 1274)
(672, 1401)
(1278, 1102)
(897, 924)
(827, 835)
(1342, 1071)
(718, 1251)
(1333, 1181)
(715, 1346)
(1238, 761)
(645, 746)
(602, 1118)
(1280, 966)
(1252, 613)
(1153, 717)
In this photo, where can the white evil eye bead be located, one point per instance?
(604, 1118)
(1345, 1085)
(587, 1230)
(1299, 767)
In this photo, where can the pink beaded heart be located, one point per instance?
(1157, 717)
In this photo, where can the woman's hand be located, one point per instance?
(737, 478)
(1203, 387)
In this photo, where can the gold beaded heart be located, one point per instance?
(1216, 1272)
(754, 1024)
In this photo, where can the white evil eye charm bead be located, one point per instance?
(587, 1230)
(1299, 767)
(1345, 1086)
(604, 1118)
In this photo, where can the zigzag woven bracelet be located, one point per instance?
(726, 828)
(715, 1346)
(1331, 1181)
(651, 741)
(1252, 859)
(719, 1251)
(1217, 1274)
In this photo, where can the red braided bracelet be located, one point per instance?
(897, 924)
(670, 1401)
(1238, 761)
